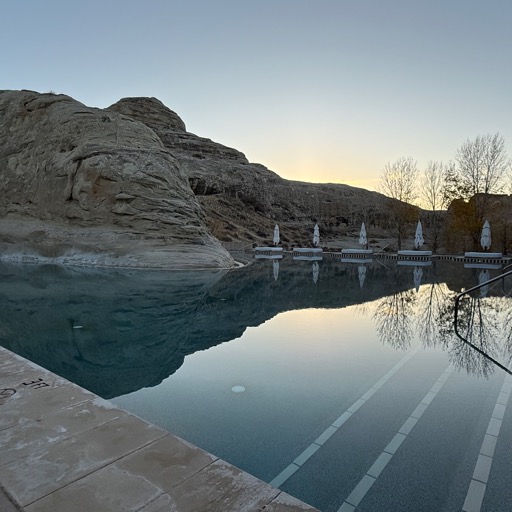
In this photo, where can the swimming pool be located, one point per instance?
(341, 383)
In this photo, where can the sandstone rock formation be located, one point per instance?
(244, 200)
(129, 186)
(87, 186)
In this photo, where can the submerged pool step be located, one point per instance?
(64, 448)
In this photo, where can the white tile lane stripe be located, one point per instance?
(336, 424)
(359, 492)
(476, 491)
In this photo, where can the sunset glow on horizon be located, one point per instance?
(326, 91)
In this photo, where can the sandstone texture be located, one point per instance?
(243, 200)
(130, 186)
(83, 185)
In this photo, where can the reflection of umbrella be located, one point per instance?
(276, 235)
(316, 235)
(275, 268)
(316, 270)
(362, 236)
(482, 278)
(361, 271)
(418, 239)
(485, 239)
(417, 274)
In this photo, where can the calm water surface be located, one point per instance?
(343, 384)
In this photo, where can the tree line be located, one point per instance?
(464, 187)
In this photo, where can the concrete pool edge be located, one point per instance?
(64, 448)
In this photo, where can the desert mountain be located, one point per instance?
(129, 186)
(89, 186)
(244, 200)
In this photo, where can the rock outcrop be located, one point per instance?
(88, 186)
(130, 186)
(243, 200)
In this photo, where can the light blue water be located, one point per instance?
(342, 384)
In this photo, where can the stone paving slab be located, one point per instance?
(6, 505)
(63, 449)
(35, 436)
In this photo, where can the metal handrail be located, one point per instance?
(457, 299)
(503, 283)
(381, 251)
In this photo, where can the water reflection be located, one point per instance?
(361, 272)
(275, 269)
(394, 316)
(485, 321)
(118, 331)
(315, 268)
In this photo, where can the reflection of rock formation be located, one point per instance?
(116, 331)
(109, 331)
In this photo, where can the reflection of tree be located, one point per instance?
(433, 300)
(363, 309)
(393, 318)
(484, 322)
(465, 357)
(507, 342)
(507, 321)
(478, 323)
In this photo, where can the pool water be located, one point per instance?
(341, 383)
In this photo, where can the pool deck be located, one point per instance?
(63, 448)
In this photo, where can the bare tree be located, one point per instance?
(453, 187)
(432, 193)
(482, 168)
(399, 181)
(432, 185)
(482, 165)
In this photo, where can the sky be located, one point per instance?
(315, 90)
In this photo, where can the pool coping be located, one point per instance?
(64, 448)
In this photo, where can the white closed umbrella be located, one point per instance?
(316, 235)
(276, 235)
(485, 239)
(418, 239)
(362, 236)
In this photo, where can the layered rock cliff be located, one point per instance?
(243, 200)
(88, 186)
(130, 186)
